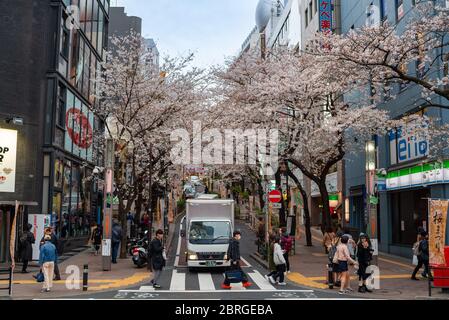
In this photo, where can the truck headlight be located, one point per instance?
(192, 255)
(225, 257)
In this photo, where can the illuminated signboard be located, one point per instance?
(325, 15)
(8, 154)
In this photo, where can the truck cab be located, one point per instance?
(209, 225)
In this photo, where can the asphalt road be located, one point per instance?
(178, 283)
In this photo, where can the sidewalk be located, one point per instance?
(123, 275)
(309, 269)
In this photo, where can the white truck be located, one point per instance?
(209, 226)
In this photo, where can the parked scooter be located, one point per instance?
(139, 253)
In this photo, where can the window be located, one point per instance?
(383, 10)
(399, 9)
(446, 68)
(74, 57)
(310, 11)
(60, 106)
(307, 17)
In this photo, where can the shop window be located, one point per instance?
(60, 106)
(65, 207)
(56, 213)
(74, 56)
(399, 9)
(82, 7)
(409, 210)
(58, 175)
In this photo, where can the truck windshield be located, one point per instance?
(210, 232)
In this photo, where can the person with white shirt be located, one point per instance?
(279, 261)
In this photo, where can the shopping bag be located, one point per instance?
(415, 260)
(234, 276)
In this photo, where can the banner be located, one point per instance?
(437, 231)
(12, 240)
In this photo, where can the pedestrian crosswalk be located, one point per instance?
(181, 280)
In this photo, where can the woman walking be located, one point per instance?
(97, 236)
(26, 247)
(279, 261)
(364, 257)
(343, 258)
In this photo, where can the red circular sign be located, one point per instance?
(275, 196)
(79, 128)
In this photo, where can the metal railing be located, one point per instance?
(8, 272)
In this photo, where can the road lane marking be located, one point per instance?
(206, 282)
(260, 281)
(178, 281)
(151, 289)
(246, 262)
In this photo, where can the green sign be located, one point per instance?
(374, 200)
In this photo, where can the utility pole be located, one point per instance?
(107, 204)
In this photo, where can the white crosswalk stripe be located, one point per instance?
(206, 282)
(260, 281)
(178, 281)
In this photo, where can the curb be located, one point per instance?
(261, 262)
(172, 235)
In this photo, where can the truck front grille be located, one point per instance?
(210, 255)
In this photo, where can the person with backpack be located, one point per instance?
(421, 250)
(26, 247)
(328, 239)
(116, 239)
(364, 257)
(233, 256)
(97, 237)
(286, 245)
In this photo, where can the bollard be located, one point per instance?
(85, 277)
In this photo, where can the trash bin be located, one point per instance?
(439, 273)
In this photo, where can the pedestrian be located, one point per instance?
(48, 258)
(364, 257)
(97, 236)
(328, 239)
(26, 247)
(54, 240)
(343, 258)
(116, 239)
(233, 255)
(423, 257)
(279, 261)
(336, 275)
(286, 245)
(157, 257)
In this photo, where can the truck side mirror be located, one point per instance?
(183, 233)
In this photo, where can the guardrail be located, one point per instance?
(7, 272)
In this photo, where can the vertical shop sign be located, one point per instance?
(437, 231)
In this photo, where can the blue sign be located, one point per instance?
(325, 15)
(406, 146)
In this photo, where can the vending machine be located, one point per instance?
(39, 223)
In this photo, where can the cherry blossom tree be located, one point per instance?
(140, 105)
(322, 117)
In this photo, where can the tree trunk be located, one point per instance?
(326, 215)
(306, 208)
(260, 192)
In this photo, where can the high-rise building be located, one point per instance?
(153, 52)
(46, 86)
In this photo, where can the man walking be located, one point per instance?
(26, 247)
(233, 255)
(116, 239)
(157, 257)
(47, 260)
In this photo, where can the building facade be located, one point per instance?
(46, 77)
(407, 179)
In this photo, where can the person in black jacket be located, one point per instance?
(423, 257)
(364, 257)
(233, 255)
(26, 247)
(116, 239)
(157, 257)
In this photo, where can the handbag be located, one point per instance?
(415, 260)
(40, 277)
(164, 255)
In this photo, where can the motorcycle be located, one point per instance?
(139, 253)
(134, 242)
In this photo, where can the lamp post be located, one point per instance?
(108, 202)
(371, 199)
